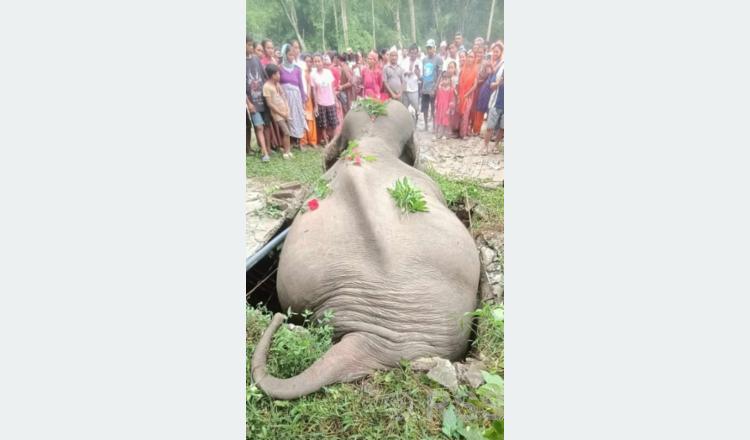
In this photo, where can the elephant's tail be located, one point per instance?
(343, 362)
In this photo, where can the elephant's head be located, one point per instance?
(396, 129)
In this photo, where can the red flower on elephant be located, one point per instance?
(312, 204)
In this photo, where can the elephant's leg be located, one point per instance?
(345, 361)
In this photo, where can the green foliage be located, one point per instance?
(352, 153)
(458, 191)
(293, 351)
(396, 404)
(321, 188)
(373, 107)
(306, 167)
(493, 391)
(496, 431)
(266, 19)
(408, 197)
(491, 335)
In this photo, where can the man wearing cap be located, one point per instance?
(432, 65)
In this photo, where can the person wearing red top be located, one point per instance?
(372, 78)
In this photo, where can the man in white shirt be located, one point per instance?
(412, 72)
(452, 56)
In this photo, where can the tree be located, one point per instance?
(374, 45)
(336, 23)
(323, 20)
(397, 18)
(436, 13)
(489, 25)
(291, 14)
(413, 22)
(344, 23)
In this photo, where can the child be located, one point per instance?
(275, 99)
(323, 81)
(445, 101)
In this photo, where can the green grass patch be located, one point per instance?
(306, 167)
(457, 191)
(396, 404)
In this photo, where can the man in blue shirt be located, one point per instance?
(432, 65)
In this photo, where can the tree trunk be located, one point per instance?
(374, 46)
(323, 19)
(291, 14)
(463, 17)
(489, 26)
(436, 13)
(398, 24)
(344, 24)
(413, 22)
(336, 23)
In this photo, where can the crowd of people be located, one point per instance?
(299, 100)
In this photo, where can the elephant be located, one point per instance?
(400, 285)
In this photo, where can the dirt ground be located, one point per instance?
(461, 158)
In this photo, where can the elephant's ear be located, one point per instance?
(410, 153)
(333, 151)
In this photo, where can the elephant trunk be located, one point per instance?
(341, 363)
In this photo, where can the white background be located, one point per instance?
(122, 235)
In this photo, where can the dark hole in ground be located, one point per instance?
(260, 280)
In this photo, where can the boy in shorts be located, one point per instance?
(276, 101)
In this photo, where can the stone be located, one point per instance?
(493, 267)
(444, 374)
(281, 205)
(291, 186)
(283, 195)
(495, 278)
(255, 205)
(473, 375)
(424, 363)
(488, 255)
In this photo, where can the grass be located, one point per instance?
(306, 167)
(395, 404)
(457, 191)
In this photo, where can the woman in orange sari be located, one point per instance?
(310, 137)
(467, 82)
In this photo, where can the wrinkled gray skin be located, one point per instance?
(399, 284)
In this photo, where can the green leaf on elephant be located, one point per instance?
(373, 107)
(370, 158)
(408, 197)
